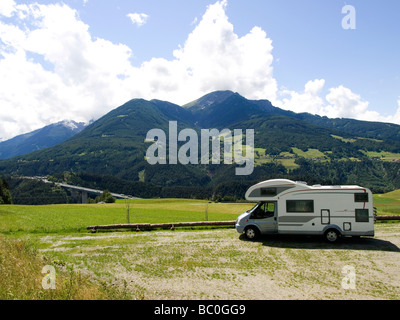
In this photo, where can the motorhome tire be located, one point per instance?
(252, 233)
(332, 235)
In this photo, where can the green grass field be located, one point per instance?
(287, 159)
(383, 155)
(388, 203)
(75, 218)
(343, 139)
(310, 153)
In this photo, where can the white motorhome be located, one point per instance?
(289, 207)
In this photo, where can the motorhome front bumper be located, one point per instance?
(239, 228)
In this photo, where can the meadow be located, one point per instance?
(72, 218)
(388, 203)
(187, 263)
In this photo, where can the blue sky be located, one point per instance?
(79, 59)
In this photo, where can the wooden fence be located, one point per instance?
(171, 226)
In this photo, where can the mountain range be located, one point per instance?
(45, 137)
(287, 144)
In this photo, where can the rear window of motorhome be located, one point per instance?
(362, 215)
(300, 205)
(361, 197)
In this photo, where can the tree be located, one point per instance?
(5, 195)
(105, 197)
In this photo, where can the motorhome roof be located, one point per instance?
(276, 182)
(286, 182)
(273, 187)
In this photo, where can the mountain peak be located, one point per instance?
(70, 124)
(209, 99)
(222, 108)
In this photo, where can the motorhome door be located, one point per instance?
(265, 217)
(325, 216)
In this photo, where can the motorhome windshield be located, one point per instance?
(256, 206)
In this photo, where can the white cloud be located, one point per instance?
(398, 110)
(138, 18)
(194, 21)
(7, 8)
(347, 104)
(307, 101)
(83, 81)
(215, 58)
(340, 102)
(395, 118)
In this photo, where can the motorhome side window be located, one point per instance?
(300, 206)
(362, 215)
(361, 197)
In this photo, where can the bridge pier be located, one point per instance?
(84, 196)
(74, 195)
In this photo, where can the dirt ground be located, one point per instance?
(294, 268)
(221, 264)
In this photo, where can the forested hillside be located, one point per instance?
(111, 152)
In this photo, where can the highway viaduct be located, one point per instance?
(83, 190)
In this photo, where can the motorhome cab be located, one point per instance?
(288, 207)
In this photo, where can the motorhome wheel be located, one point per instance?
(252, 233)
(332, 235)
